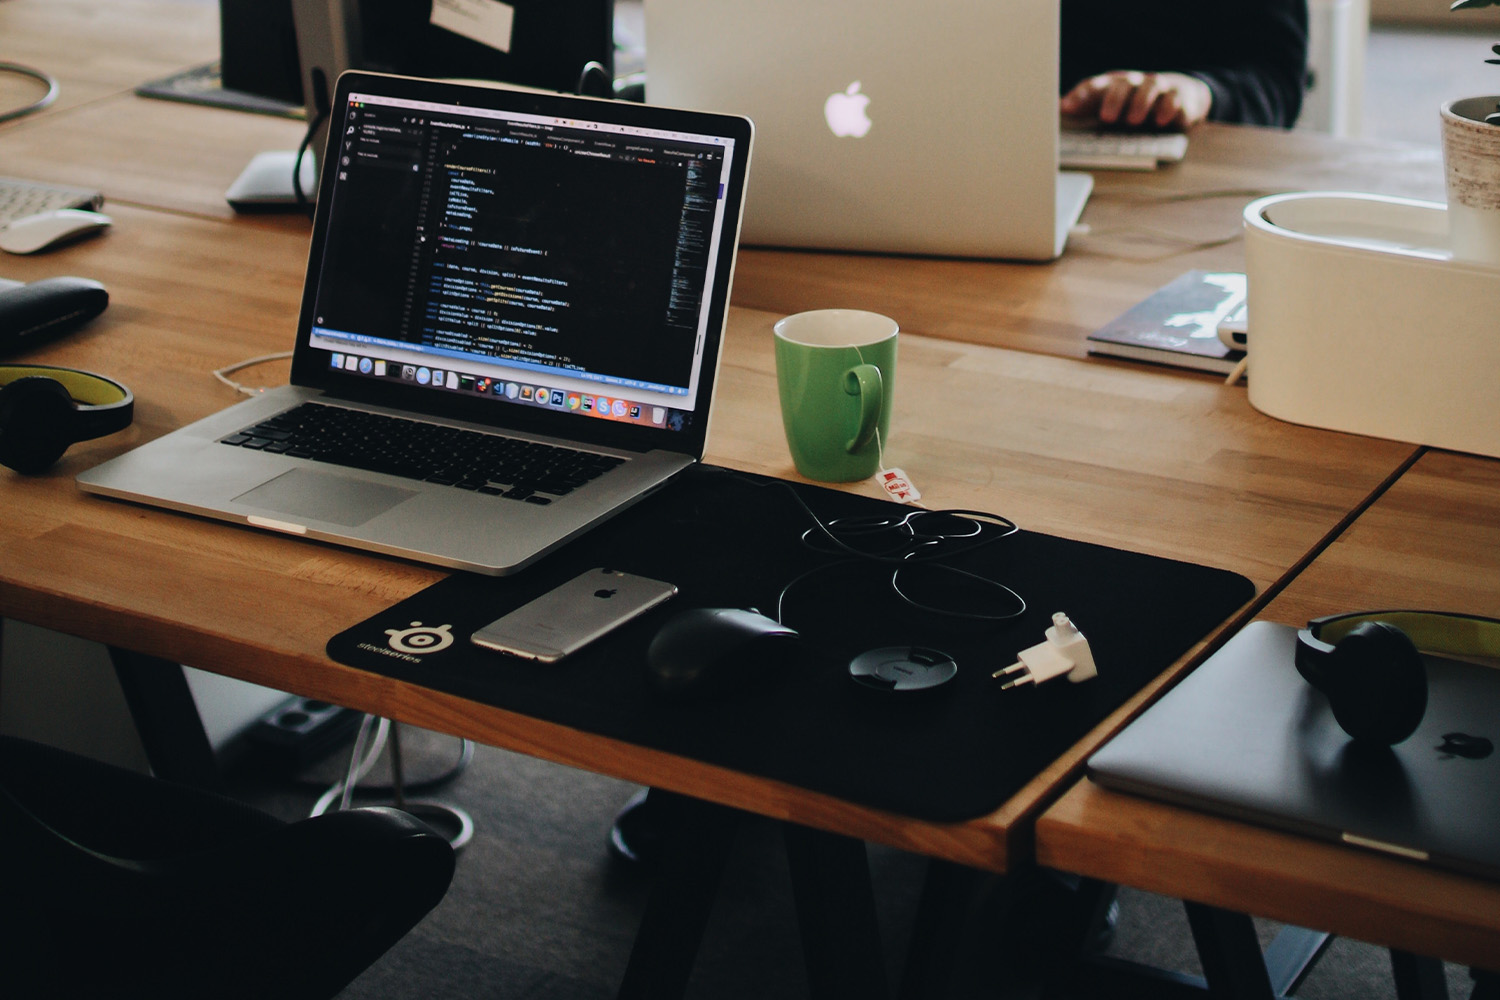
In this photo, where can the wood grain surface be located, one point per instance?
(996, 407)
(1431, 542)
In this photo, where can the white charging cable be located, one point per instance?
(222, 374)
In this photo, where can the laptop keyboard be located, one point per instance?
(434, 453)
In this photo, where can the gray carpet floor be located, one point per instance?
(540, 910)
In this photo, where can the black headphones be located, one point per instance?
(1368, 665)
(44, 409)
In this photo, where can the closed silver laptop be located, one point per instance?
(510, 328)
(1245, 736)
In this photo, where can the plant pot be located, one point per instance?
(1471, 160)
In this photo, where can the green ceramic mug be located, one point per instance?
(836, 371)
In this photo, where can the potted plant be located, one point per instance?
(1471, 159)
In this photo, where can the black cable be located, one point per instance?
(312, 130)
(971, 616)
(46, 79)
(591, 69)
(1017, 602)
(903, 542)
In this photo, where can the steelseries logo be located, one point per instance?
(419, 638)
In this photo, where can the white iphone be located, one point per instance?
(571, 616)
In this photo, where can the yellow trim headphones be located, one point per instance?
(44, 409)
(1368, 665)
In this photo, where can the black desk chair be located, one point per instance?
(117, 884)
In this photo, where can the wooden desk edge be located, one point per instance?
(984, 844)
(1186, 854)
(996, 842)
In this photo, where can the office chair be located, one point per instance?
(117, 884)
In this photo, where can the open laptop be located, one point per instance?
(1246, 737)
(529, 266)
(883, 125)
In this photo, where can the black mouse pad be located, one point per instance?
(729, 539)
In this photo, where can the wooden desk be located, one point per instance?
(1143, 226)
(1173, 464)
(1160, 463)
(183, 158)
(164, 154)
(1433, 541)
(1144, 231)
(995, 408)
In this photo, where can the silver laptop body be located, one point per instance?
(542, 267)
(1245, 736)
(883, 125)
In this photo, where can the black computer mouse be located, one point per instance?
(713, 652)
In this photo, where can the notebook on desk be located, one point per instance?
(535, 286)
(1244, 736)
(883, 125)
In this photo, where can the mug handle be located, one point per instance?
(864, 381)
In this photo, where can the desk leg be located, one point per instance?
(1418, 977)
(166, 717)
(836, 914)
(948, 891)
(698, 836)
(1233, 964)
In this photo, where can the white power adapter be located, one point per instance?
(1066, 652)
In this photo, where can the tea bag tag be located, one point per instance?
(894, 482)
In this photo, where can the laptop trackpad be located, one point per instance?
(318, 496)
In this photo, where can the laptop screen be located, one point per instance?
(542, 256)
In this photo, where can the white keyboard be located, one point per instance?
(1086, 150)
(20, 198)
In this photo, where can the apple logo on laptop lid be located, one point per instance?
(846, 114)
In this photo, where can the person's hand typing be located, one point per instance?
(1131, 97)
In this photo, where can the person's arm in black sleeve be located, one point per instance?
(1258, 74)
(1250, 54)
